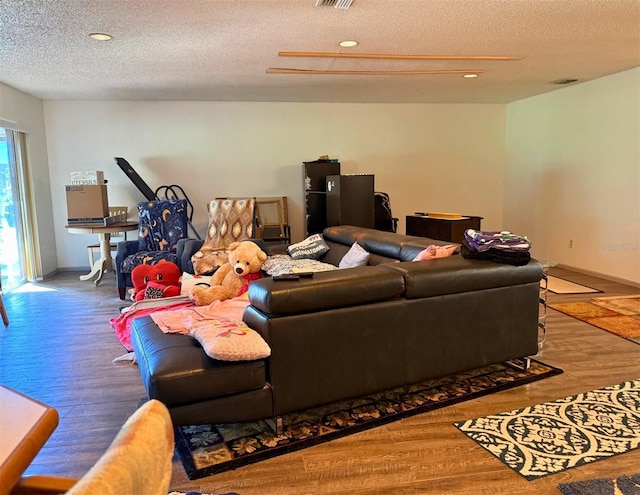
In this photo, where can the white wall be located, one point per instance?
(427, 157)
(574, 174)
(570, 168)
(22, 112)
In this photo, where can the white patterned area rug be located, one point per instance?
(562, 286)
(549, 438)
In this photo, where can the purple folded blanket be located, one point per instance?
(501, 247)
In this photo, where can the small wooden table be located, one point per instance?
(105, 262)
(25, 426)
(443, 229)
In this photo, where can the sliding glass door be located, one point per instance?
(12, 259)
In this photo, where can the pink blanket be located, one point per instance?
(122, 324)
(184, 319)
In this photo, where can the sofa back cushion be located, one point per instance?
(326, 290)
(412, 248)
(455, 275)
(385, 244)
(336, 252)
(343, 234)
(383, 247)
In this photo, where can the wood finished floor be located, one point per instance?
(59, 348)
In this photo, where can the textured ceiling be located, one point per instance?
(221, 49)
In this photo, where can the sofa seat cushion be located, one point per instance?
(326, 290)
(176, 370)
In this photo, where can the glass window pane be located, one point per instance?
(11, 255)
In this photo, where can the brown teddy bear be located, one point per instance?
(232, 279)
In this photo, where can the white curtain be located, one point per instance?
(28, 231)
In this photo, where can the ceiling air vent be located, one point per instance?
(338, 4)
(564, 81)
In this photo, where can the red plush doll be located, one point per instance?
(155, 281)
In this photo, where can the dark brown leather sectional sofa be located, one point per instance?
(350, 332)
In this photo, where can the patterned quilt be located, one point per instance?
(279, 264)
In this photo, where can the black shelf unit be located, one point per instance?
(315, 193)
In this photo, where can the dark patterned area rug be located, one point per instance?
(623, 485)
(549, 438)
(208, 449)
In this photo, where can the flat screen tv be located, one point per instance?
(142, 186)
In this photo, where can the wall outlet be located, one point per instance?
(570, 243)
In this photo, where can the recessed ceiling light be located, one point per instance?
(100, 36)
(348, 43)
(470, 76)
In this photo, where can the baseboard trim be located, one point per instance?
(600, 275)
(79, 270)
(47, 276)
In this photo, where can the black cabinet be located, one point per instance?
(350, 200)
(315, 191)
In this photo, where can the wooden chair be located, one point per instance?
(93, 248)
(272, 215)
(138, 461)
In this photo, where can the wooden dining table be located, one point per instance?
(25, 426)
(105, 262)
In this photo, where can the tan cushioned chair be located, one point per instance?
(137, 462)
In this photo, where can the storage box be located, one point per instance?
(88, 203)
(90, 177)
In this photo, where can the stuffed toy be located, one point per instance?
(232, 279)
(155, 281)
